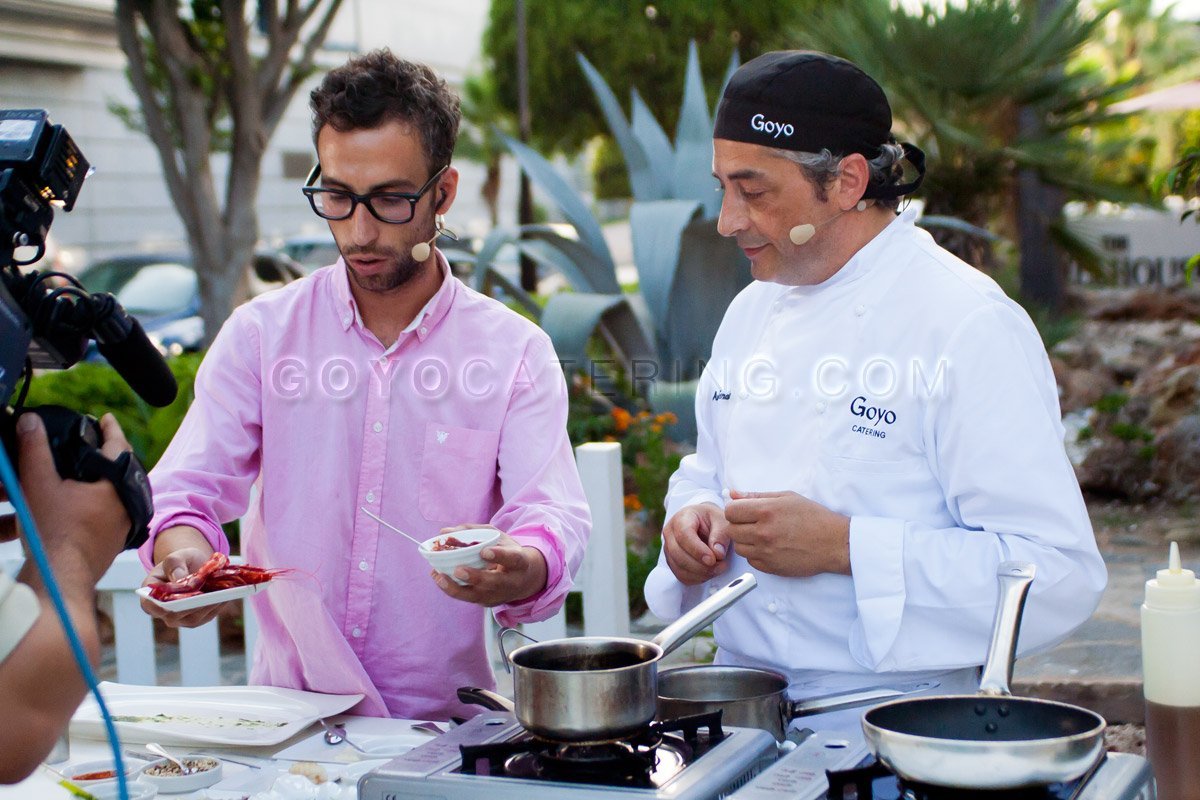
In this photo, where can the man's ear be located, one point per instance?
(447, 191)
(853, 179)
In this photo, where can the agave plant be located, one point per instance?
(687, 272)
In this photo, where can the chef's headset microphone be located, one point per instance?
(805, 231)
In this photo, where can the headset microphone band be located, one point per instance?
(805, 231)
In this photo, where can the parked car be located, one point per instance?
(162, 292)
(314, 251)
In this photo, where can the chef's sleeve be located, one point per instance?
(697, 480)
(994, 437)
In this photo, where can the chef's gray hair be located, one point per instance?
(823, 167)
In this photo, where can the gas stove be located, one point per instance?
(694, 758)
(827, 766)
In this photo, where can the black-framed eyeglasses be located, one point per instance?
(392, 207)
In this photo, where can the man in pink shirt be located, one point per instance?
(384, 383)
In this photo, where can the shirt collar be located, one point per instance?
(425, 320)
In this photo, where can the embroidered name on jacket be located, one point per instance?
(876, 415)
(719, 395)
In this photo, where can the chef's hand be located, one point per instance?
(516, 572)
(696, 541)
(783, 533)
(179, 551)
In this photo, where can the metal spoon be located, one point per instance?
(157, 750)
(431, 728)
(389, 525)
(336, 734)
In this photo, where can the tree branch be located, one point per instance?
(278, 101)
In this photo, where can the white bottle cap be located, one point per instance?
(1175, 587)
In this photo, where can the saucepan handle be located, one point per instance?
(704, 613)
(485, 698)
(1015, 577)
(855, 699)
(503, 652)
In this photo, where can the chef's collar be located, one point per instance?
(862, 262)
(422, 324)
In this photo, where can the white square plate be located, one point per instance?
(224, 715)
(206, 599)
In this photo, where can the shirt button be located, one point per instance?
(377, 427)
(356, 633)
(345, 320)
(820, 406)
(383, 361)
(773, 607)
(370, 497)
(860, 310)
(424, 330)
(362, 565)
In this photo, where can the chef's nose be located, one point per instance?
(733, 216)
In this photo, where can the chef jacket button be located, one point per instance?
(773, 607)
(712, 590)
(362, 565)
(370, 497)
(860, 310)
(743, 394)
(821, 406)
(356, 633)
(377, 427)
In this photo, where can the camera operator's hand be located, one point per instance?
(186, 551)
(82, 525)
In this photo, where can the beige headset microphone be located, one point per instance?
(805, 231)
(422, 250)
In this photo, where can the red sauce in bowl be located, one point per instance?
(102, 775)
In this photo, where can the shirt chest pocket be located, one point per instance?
(458, 474)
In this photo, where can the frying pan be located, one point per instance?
(991, 740)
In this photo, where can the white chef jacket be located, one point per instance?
(910, 394)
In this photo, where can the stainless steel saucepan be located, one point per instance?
(596, 688)
(990, 740)
(757, 698)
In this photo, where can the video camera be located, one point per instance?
(45, 326)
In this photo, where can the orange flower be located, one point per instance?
(643, 415)
(610, 438)
(656, 428)
(621, 418)
(632, 503)
(666, 418)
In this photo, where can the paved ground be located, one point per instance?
(1098, 667)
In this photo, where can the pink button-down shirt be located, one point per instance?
(461, 420)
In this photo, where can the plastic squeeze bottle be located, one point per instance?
(1171, 674)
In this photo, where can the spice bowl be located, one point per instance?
(473, 540)
(169, 780)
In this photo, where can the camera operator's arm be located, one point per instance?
(82, 527)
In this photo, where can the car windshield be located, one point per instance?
(159, 289)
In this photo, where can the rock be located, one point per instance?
(1082, 388)
(1147, 304)
(1176, 397)
(1176, 464)
(1118, 468)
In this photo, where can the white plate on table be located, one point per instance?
(224, 715)
(206, 599)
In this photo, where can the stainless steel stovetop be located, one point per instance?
(433, 770)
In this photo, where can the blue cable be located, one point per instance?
(43, 564)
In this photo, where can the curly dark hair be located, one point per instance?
(375, 87)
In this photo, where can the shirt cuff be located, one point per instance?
(19, 610)
(547, 602)
(877, 565)
(213, 533)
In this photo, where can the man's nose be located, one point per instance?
(364, 226)
(732, 218)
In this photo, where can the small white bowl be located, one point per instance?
(174, 783)
(132, 768)
(138, 790)
(445, 561)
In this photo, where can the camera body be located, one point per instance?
(45, 327)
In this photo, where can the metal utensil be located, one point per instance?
(159, 751)
(389, 526)
(429, 727)
(336, 734)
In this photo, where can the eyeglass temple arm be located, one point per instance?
(313, 174)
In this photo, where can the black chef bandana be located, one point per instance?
(808, 101)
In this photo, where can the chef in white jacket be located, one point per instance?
(878, 426)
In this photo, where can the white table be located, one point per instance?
(43, 786)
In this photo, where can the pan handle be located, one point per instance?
(864, 697)
(705, 612)
(504, 659)
(485, 698)
(1015, 577)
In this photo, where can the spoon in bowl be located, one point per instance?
(159, 751)
(389, 526)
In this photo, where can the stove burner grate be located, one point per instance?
(859, 783)
(659, 750)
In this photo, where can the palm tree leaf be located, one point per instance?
(496, 239)
(655, 144)
(571, 318)
(657, 229)
(598, 276)
(693, 140)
